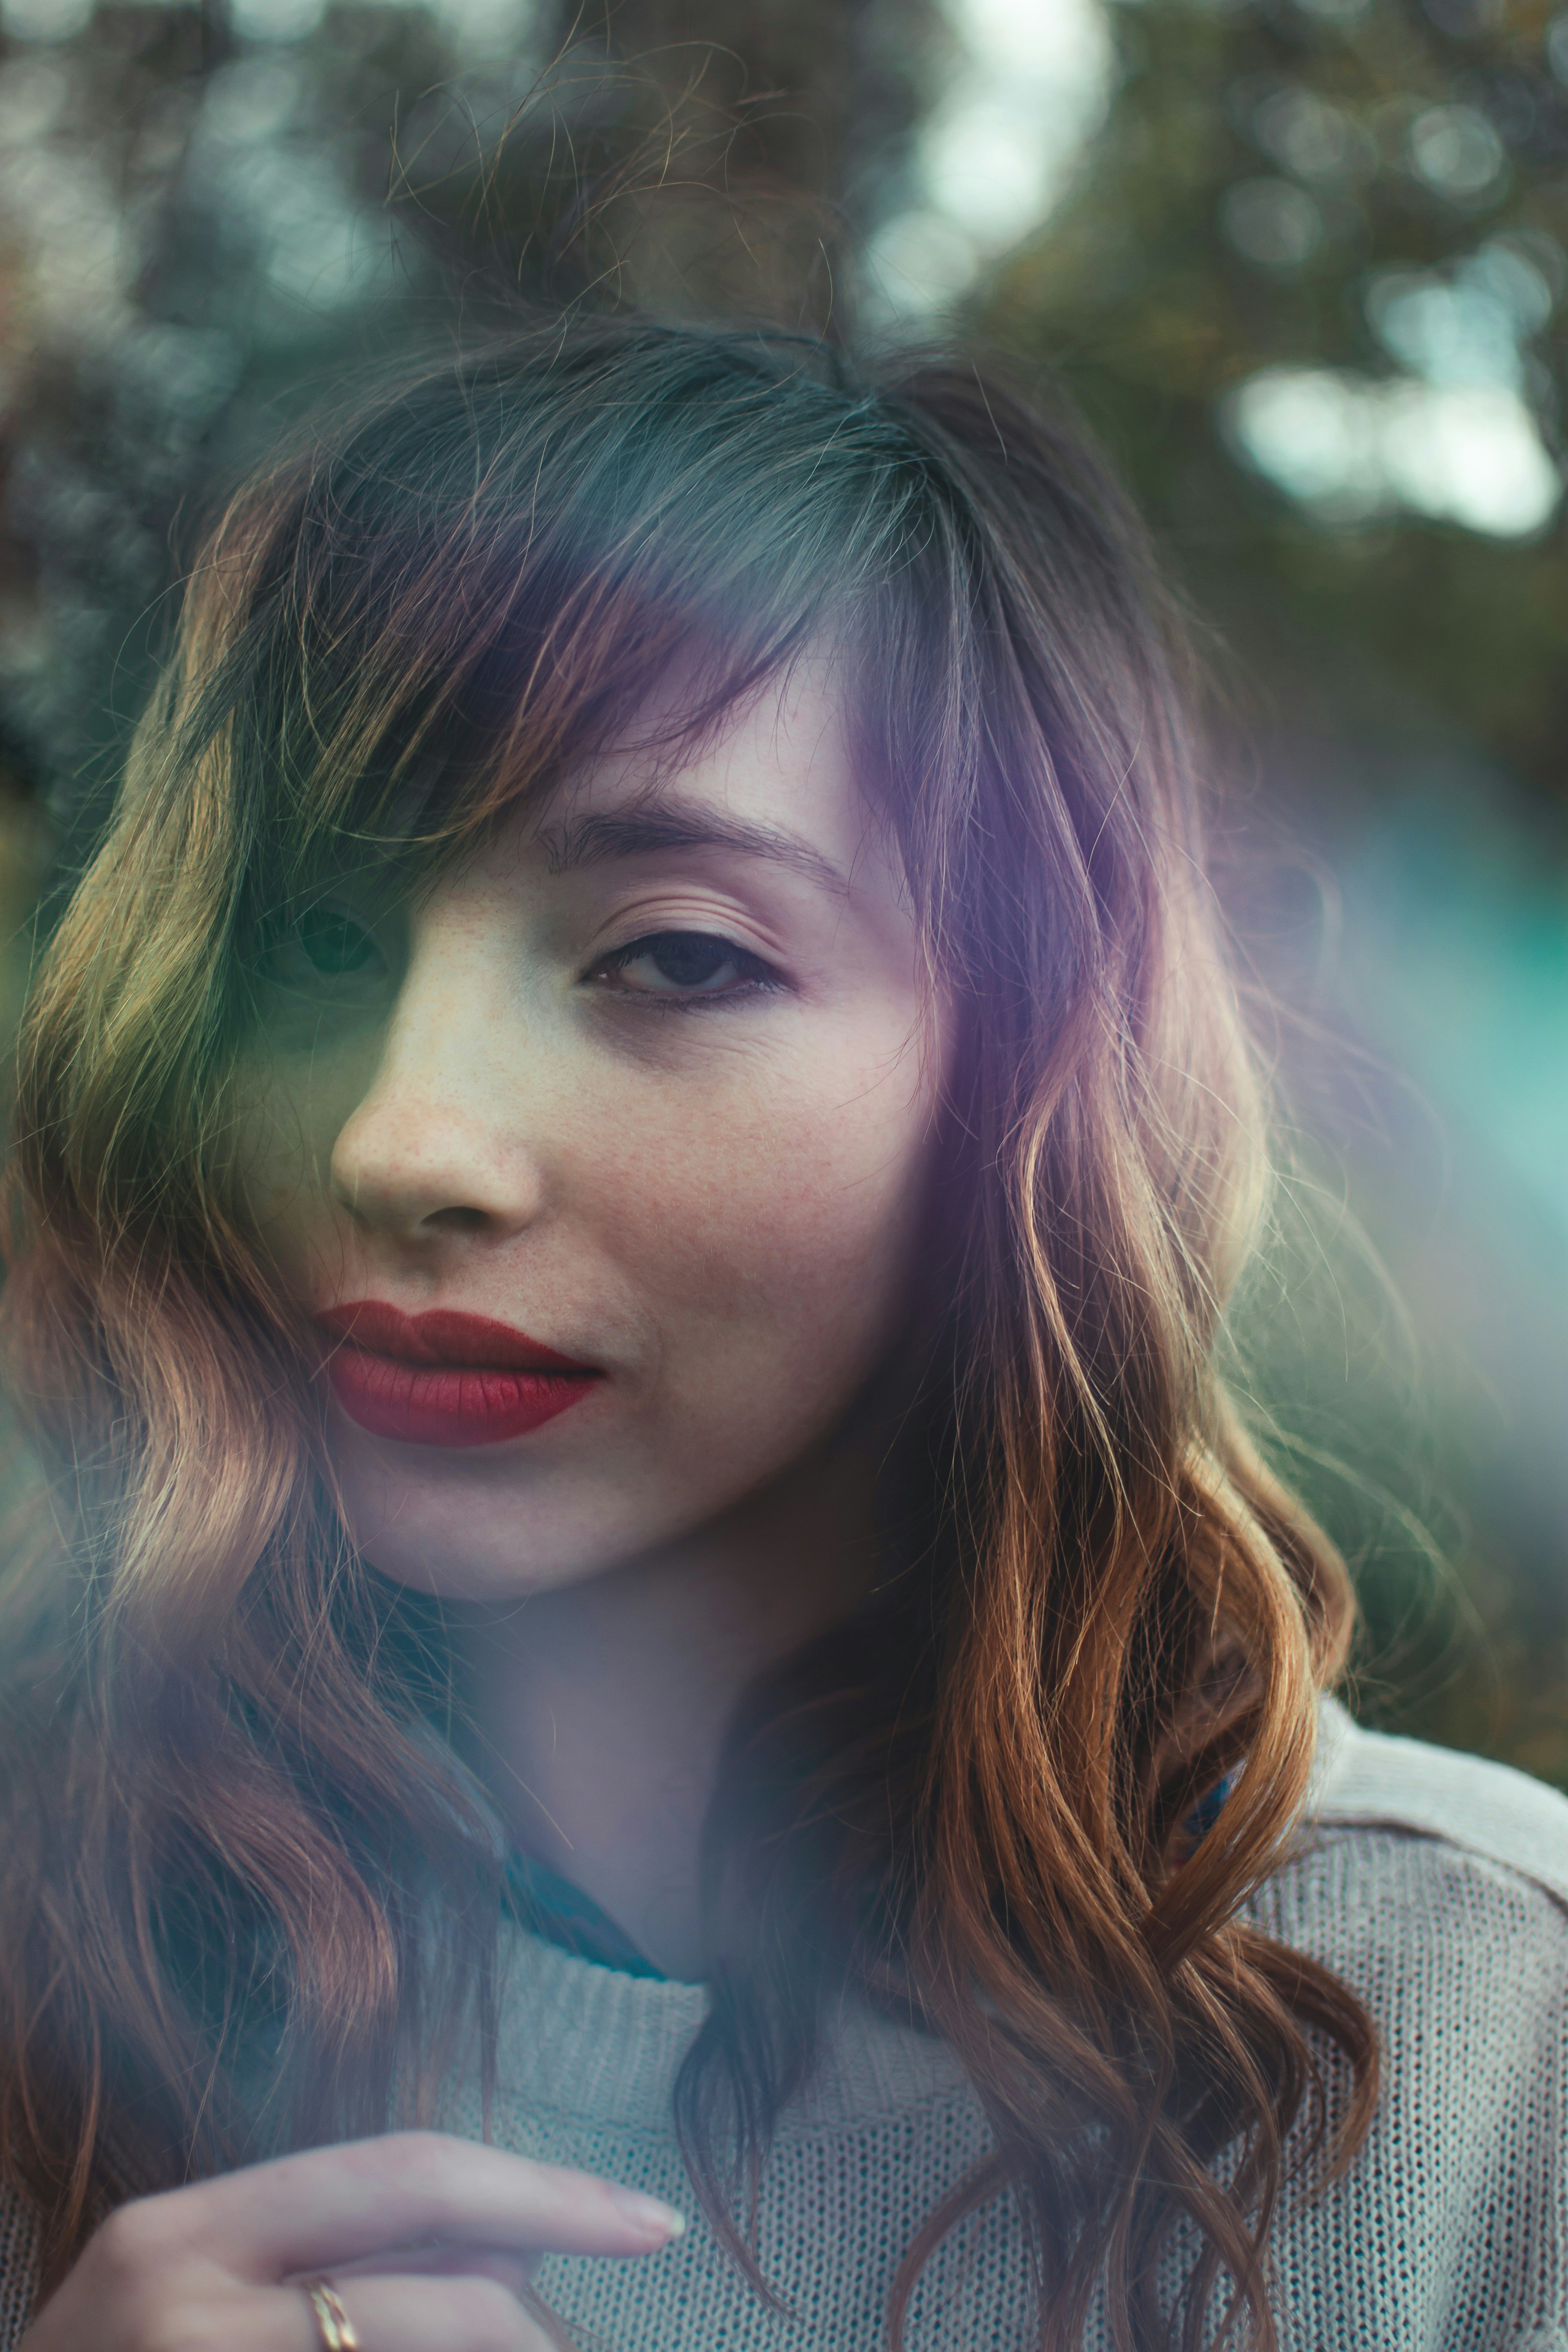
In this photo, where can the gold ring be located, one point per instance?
(337, 2328)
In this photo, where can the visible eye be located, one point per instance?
(684, 966)
(325, 944)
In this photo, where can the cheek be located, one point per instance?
(772, 1238)
(285, 1130)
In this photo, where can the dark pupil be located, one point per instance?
(334, 943)
(689, 959)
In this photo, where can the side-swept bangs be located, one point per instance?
(512, 563)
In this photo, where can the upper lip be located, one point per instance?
(442, 1335)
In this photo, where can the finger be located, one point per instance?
(512, 2268)
(418, 2315)
(331, 2205)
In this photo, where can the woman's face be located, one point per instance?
(649, 1084)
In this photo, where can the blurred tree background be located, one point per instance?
(1302, 262)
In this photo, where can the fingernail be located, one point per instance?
(648, 2213)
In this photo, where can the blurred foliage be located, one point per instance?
(1255, 197)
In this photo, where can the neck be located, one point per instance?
(600, 1707)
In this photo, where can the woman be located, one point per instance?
(629, 1162)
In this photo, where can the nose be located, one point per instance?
(435, 1148)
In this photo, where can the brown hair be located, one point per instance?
(224, 1816)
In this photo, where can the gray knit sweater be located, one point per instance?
(1434, 1883)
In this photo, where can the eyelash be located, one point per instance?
(754, 977)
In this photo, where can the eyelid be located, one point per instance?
(646, 932)
(285, 923)
(669, 908)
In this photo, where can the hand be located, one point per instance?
(430, 2242)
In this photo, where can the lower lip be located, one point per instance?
(448, 1405)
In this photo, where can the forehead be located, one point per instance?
(777, 765)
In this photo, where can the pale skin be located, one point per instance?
(705, 1173)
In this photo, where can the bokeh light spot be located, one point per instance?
(1456, 154)
(1348, 447)
(45, 20)
(1271, 223)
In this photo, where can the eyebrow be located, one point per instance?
(595, 840)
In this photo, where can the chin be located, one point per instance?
(504, 1521)
(463, 1538)
(429, 1541)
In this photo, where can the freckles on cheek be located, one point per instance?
(777, 1235)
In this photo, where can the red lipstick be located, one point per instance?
(445, 1378)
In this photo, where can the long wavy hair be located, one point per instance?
(226, 1822)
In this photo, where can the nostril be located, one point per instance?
(456, 1220)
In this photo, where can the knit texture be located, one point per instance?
(1436, 1885)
